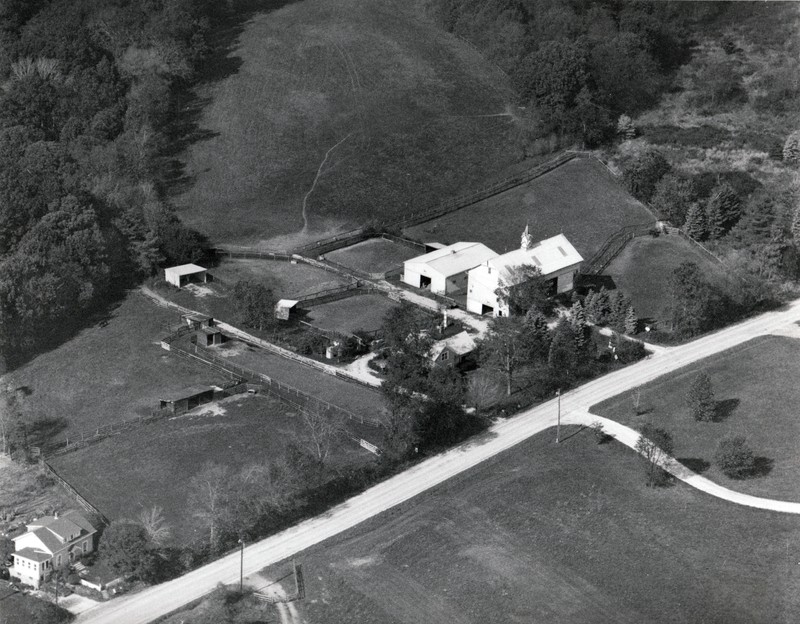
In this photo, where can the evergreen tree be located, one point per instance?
(563, 356)
(672, 198)
(631, 321)
(538, 335)
(601, 307)
(577, 319)
(723, 210)
(696, 225)
(701, 398)
(791, 148)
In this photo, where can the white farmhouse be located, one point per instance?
(51, 543)
(444, 270)
(555, 257)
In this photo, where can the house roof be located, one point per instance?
(185, 393)
(455, 258)
(549, 255)
(461, 344)
(33, 555)
(185, 269)
(286, 303)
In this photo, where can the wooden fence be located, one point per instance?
(284, 392)
(613, 245)
(85, 504)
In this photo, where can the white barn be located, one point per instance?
(185, 273)
(444, 270)
(555, 257)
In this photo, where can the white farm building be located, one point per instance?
(444, 270)
(184, 274)
(555, 257)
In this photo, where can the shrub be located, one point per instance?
(643, 173)
(734, 457)
(791, 149)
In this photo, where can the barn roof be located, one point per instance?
(186, 393)
(455, 258)
(185, 269)
(549, 255)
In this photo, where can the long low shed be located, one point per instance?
(444, 271)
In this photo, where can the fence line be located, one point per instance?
(87, 506)
(613, 245)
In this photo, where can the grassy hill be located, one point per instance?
(377, 105)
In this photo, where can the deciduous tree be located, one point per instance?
(655, 445)
(734, 457)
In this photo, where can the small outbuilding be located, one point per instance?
(211, 336)
(184, 274)
(187, 399)
(444, 271)
(285, 308)
(452, 351)
(197, 321)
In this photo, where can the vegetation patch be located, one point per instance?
(152, 466)
(754, 392)
(580, 199)
(543, 526)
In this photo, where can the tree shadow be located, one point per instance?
(184, 127)
(724, 408)
(695, 464)
(762, 466)
(41, 430)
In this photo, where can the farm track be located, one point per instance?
(156, 601)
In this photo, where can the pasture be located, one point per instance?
(365, 312)
(756, 390)
(110, 372)
(287, 280)
(153, 464)
(360, 400)
(374, 255)
(327, 116)
(644, 266)
(580, 199)
(565, 534)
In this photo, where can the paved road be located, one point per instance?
(154, 602)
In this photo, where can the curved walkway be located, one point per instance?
(629, 437)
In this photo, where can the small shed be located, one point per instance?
(184, 274)
(188, 398)
(197, 321)
(284, 309)
(452, 351)
(211, 336)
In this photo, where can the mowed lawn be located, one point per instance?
(757, 395)
(406, 113)
(565, 534)
(365, 312)
(359, 400)
(375, 255)
(153, 464)
(645, 265)
(580, 199)
(110, 372)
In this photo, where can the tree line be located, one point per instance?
(84, 122)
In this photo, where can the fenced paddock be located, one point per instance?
(374, 256)
(349, 315)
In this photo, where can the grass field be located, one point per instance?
(358, 399)
(24, 493)
(580, 199)
(349, 315)
(643, 269)
(565, 534)
(756, 388)
(153, 464)
(110, 372)
(405, 113)
(375, 255)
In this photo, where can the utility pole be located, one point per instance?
(558, 426)
(241, 565)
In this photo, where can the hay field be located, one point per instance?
(580, 199)
(364, 101)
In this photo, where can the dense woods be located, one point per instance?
(577, 66)
(88, 93)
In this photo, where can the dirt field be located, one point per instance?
(580, 199)
(357, 399)
(349, 315)
(645, 265)
(286, 280)
(152, 465)
(756, 389)
(565, 534)
(329, 115)
(376, 255)
(113, 371)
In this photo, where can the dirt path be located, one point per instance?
(314, 184)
